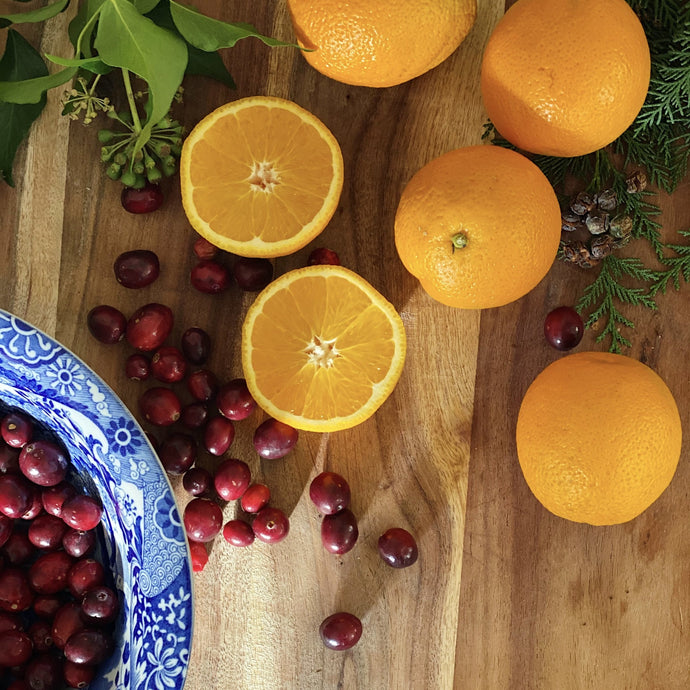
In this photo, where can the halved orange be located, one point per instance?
(260, 176)
(321, 348)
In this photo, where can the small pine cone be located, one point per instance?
(601, 246)
(636, 182)
(571, 253)
(606, 200)
(582, 204)
(621, 226)
(597, 223)
(578, 253)
(570, 222)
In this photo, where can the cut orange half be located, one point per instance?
(260, 176)
(321, 348)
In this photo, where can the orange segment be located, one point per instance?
(321, 348)
(260, 176)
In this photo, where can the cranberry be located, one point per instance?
(18, 549)
(100, 605)
(234, 400)
(322, 255)
(255, 498)
(145, 200)
(43, 463)
(9, 459)
(219, 435)
(177, 453)
(202, 519)
(88, 646)
(563, 328)
(15, 592)
(47, 605)
(197, 481)
(196, 345)
(36, 506)
(398, 548)
(47, 531)
(54, 497)
(48, 573)
(16, 648)
(82, 512)
(194, 415)
(44, 672)
(160, 406)
(231, 479)
(149, 326)
(202, 385)
(329, 492)
(203, 249)
(137, 367)
(39, 632)
(79, 543)
(83, 575)
(106, 324)
(274, 439)
(199, 554)
(67, 621)
(271, 525)
(168, 364)
(16, 495)
(5, 528)
(210, 277)
(339, 532)
(340, 631)
(78, 675)
(16, 429)
(238, 533)
(252, 274)
(10, 621)
(137, 268)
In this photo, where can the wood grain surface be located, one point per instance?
(542, 603)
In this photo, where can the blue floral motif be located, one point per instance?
(123, 436)
(167, 518)
(66, 375)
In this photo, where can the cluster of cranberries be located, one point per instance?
(56, 608)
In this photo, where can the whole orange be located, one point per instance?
(379, 42)
(478, 226)
(598, 437)
(565, 77)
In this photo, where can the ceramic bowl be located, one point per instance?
(143, 537)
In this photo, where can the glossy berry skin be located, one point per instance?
(78, 675)
(196, 345)
(78, 543)
(238, 533)
(137, 367)
(47, 531)
(47, 605)
(340, 631)
(82, 512)
(255, 498)
(137, 268)
(203, 519)
(168, 364)
(16, 648)
(83, 575)
(203, 249)
(274, 439)
(5, 529)
(339, 532)
(202, 385)
(100, 605)
(218, 435)
(231, 479)
(145, 200)
(160, 406)
(67, 621)
(398, 548)
(43, 463)
(88, 646)
(199, 554)
(16, 495)
(9, 459)
(149, 326)
(15, 592)
(563, 328)
(18, 549)
(271, 525)
(54, 497)
(197, 481)
(329, 492)
(106, 324)
(48, 573)
(194, 415)
(210, 277)
(322, 255)
(234, 400)
(177, 452)
(44, 671)
(252, 274)
(16, 429)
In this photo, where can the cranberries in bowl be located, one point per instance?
(140, 539)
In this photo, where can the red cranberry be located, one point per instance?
(10, 621)
(197, 481)
(47, 531)
(5, 528)
(329, 492)
(274, 439)
(16, 648)
(15, 592)
(88, 646)
(149, 326)
(44, 672)
(203, 249)
(210, 277)
(202, 385)
(168, 364)
(79, 543)
(255, 498)
(219, 435)
(16, 495)
(83, 575)
(137, 268)
(194, 415)
(36, 507)
(47, 605)
(177, 453)
(106, 324)
(271, 525)
(199, 554)
(48, 573)
(196, 345)
(563, 328)
(398, 548)
(9, 459)
(252, 274)
(54, 497)
(238, 533)
(322, 255)
(43, 463)
(39, 632)
(160, 406)
(202, 519)
(100, 605)
(16, 429)
(18, 549)
(234, 400)
(145, 200)
(339, 532)
(82, 512)
(67, 621)
(231, 479)
(137, 367)
(78, 675)
(340, 631)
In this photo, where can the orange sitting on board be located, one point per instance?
(565, 77)
(321, 348)
(260, 177)
(598, 437)
(379, 43)
(478, 226)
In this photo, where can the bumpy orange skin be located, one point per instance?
(598, 437)
(380, 42)
(503, 205)
(565, 77)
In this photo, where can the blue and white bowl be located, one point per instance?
(144, 539)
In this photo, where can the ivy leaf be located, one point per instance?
(209, 35)
(145, 6)
(78, 36)
(19, 61)
(92, 64)
(33, 90)
(34, 16)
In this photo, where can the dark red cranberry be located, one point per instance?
(47, 605)
(339, 532)
(202, 385)
(43, 462)
(197, 481)
(15, 591)
(329, 492)
(54, 497)
(322, 255)
(88, 646)
(82, 512)
(36, 507)
(39, 632)
(137, 268)
(5, 528)
(79, 543)
(202, 519)
(47, 531)
(160, 406)
(106, 324)
(199, 554)
(67, 621)
(168, 364)
(83, 575)
(194, 415)
(100, 605)
(16, 648)
(10, 621)
(16, 495)
(238, 533)
(340, 631)
(16, 429)
(203, 249)
(252, 274)
(255, 498)
(18, 549)
(78, 675)
(9, 459)
(234, 400)
(271, 525)
(48, 573)
(563, 328)
(44, 672)
(274, 439)
(196, 345)
(145, 200)
(149, 326)
(210, 277)
(177, 452)
(218, 435)
(398, 547)
(231, 479)
(137, 367)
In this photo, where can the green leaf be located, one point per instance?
(33, 16)
(209, 35)
(19, 61)
(92, 64)
(33, 90)
(145, 6)
(82, 26)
